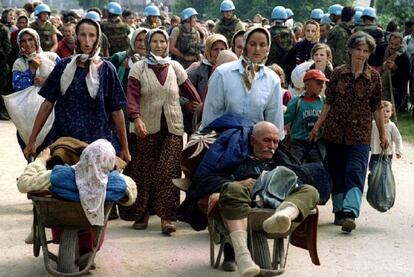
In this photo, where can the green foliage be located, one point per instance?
(406, 126)
(86, 4)
(398, 10)
(247, 9)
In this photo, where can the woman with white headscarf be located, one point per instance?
(91, 182)
(86, 95)
(154, 107)
(123, 61)
(31, 57)
(246, 86)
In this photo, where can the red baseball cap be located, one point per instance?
(315, 74)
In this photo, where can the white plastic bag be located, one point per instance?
(24, 105)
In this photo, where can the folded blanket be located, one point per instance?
(64, 184)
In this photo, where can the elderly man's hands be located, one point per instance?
(248, 183)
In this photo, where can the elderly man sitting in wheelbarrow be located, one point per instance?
(91, 182)
(260, 179)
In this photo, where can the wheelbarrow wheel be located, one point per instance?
(260, 251)
(68, 251)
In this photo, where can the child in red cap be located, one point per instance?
(302, 113)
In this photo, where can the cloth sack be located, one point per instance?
(272, 187)
(24, 105)
(381, 185)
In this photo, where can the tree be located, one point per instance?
(86, 4)
(398, 10)
(246, 9)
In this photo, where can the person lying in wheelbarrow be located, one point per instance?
(260, 180)
(91, 182)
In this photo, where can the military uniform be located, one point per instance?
(188, 43)
(45, 33)
(337, 41)
(282, 42)
(371, 29)
(5, 48)
(117, 33)
(228, 27)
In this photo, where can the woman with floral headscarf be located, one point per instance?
(246, 86)
(31, 57)
(123, 61)
(199, 73)
(86, 95)
(154, 107)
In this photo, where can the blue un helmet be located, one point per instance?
(289, 13)
(369, 12)
(152, 10)
(114, 8)
(93, 15)
(326, 20)
(227, 6)
(41, 8)
(359, 9)
(335, 9)
(188, 13)
(316, 14)
(357, 18)
(279, 13)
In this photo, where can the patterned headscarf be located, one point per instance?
(209, 44)
(93, 61)
(250, 67)
(35, 35)
(150, 57)
(91, 173)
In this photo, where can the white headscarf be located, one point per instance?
(151, 58)
(36, 37)
(91, 173)
(132, 53)
(94, 61)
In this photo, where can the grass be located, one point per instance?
(406, 126)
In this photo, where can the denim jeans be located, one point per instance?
(348, 168)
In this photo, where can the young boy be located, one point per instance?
(66, 47)
(302, 113)
(393, 136)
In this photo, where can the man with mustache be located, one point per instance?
(271, 167)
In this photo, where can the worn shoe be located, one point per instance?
(349, 222)
(141, 224)
(339, 218)
(167, 227)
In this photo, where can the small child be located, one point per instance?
(302, 113)
(393, 136)
(287, 96)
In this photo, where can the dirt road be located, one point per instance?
(382, 244)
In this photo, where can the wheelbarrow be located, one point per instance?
(51, 212)
(302, 234)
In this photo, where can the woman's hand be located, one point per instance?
(126, 65)
(125, 155)
(140, 128)
(191, 106)
(30, 149)
(35, 63)
(39, 81)
(248, 183)
(384, 142)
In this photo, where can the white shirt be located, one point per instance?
(393, 136)
(227, 94)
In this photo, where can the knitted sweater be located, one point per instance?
(393, 136)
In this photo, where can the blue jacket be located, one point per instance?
(230, 148)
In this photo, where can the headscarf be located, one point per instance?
(93, 61)
(132, 53)
(250, 67)
(209, 44)
(35, 35)
(91, 174)
(151, 58)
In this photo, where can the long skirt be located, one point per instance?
(155, 162)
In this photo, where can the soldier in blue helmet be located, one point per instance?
(335, 13)
(115, 29)
(229, 24)
(152, 20)
(47, 32)
(316, 14)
